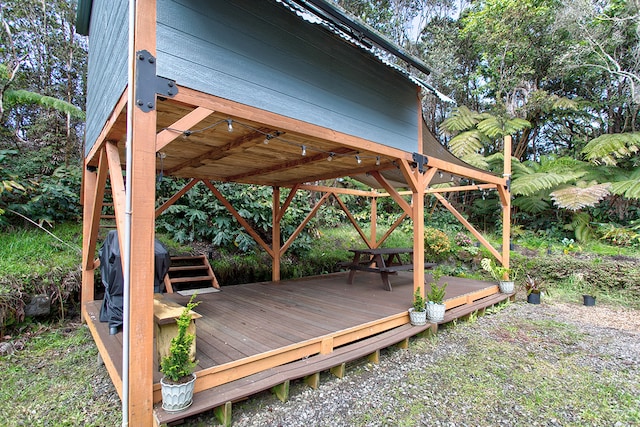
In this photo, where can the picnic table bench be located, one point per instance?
(382, 260)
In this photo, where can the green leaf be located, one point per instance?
(527, 185)
(606, 149)
(531, 204)
(461, 119)
(494, 126)
(21, 96)
(580, 196)
(466, 143)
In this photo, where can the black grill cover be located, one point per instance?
(113, 281)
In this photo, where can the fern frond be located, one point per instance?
(606, 149)
(562, 103)
(466, 143)
(577, 197)
(20, 96)
(493, 126)
(629, 188)
(461, 119)
(531, 204)
(529, 184)
(477, 160)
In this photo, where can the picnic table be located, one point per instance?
(384, 261)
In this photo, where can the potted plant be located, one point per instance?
(179, 380)
(534, 288)
(435, 297)
(505, 276)
(588, 289)
(417, 313)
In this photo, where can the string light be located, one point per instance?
(377, 160)
(358, 160)
(304, 151)
(230, 125)
(440, 174)
(331, 155)
(266, 139)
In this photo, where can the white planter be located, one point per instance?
(418, 318)
(435, 312)
(177, 397)
(506, 287)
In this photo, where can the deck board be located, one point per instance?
(244, 322)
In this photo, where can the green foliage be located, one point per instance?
(617, 235)
(609, 148)
(418, 300)
(25, 97)
(437, 245)
(436, 292)
(177, 364)
(498, 272)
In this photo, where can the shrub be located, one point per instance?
(437, 245)
(462, 239)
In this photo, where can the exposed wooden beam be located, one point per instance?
(369, 243)
(461, 188)
(287, 202)
(505, 195)
(176, 196)
(217, 153)
(340, 173)
(392, 192)
(303, 224)
(276, 217)
(117, 189)
(243, 222)
(395, 225)
(286, 165)
(94, 209)
(172, 132)
(468, 225)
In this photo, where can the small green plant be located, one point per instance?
(178, 365)
(418, 301)
(535, 286)
(499, 272)
(436, 292)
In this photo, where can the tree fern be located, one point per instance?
(495, 126)
(629, 188)
(606, 149)
(461, 119)
(466, 143)
(532, 204)
(25, 97)
(529, 184)
(581, 195)
(475, 159)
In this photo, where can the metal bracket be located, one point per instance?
(148, 84)
(421, 161)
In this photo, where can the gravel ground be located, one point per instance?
(516, 366)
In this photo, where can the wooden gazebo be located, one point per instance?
(280, 93)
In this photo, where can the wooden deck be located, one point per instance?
(253, 337)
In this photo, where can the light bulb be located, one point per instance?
(377, 160)
(230, 125)
(358, 159)
(330, 156)
(304, 151)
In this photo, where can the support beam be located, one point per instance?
(506, 205)
(89, 185)
(243, 222)
(96, 183)
(468, 225)
(141, 277)
(374, 221)
(369, 243)
(304, 223)
(223, 414)
(169, 134)
(117, 189)
(176, 196)
(392, 192)
(281, 391)
(276, 216)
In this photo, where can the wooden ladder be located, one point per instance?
(188, 273)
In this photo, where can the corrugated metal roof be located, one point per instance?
(327, 15)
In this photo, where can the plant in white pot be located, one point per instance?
(417, 313)
(435, 297)
(178, 382)
(505, 276)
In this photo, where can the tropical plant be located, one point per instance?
(533, 285)
(499, 272)
(418, 300)
(177, 365)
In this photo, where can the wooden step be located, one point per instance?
(187, 273)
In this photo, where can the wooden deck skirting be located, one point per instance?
(257, 336)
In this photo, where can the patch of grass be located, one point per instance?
(56, 380)
(524, 365)
(34, 252)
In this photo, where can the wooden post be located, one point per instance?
(506, 205)
(374, 221)
(143, 168)
(418, 238)
(89, 180)
(275, 236)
